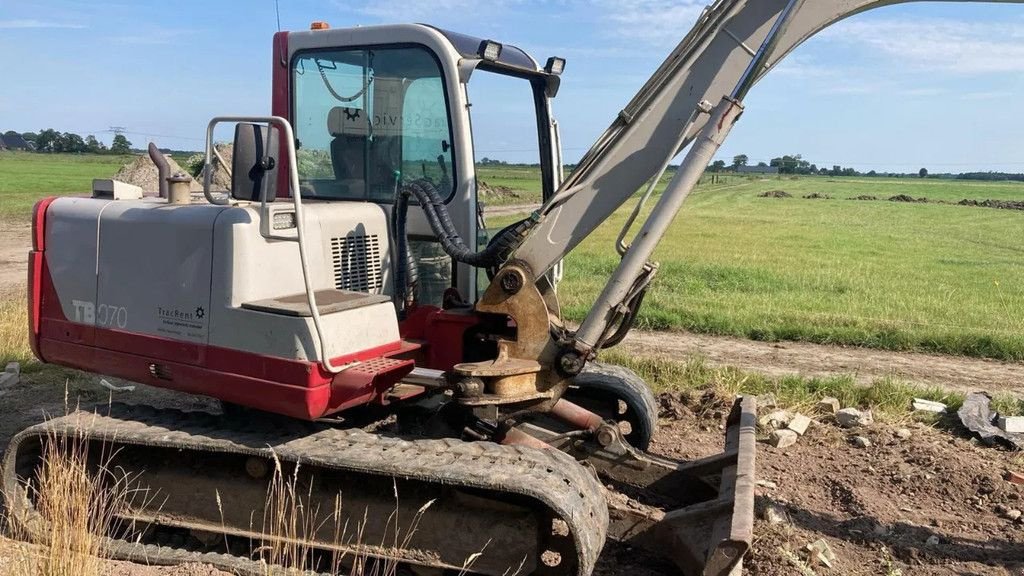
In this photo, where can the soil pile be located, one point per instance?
(906, 198)
(496, 191)
(775, 194)
(142, 172)
(1001, 204)
(864, 197)
(816, 196)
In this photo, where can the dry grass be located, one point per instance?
(78, 503)
(291, 517)
(14, 329)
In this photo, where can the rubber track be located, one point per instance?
(551, 477)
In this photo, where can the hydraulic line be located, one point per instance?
(441, 224)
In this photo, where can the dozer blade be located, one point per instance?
(201, 494)
(698, 513)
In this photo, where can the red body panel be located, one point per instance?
(279, 104)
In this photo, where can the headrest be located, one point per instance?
(342, 121)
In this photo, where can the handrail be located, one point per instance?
(293, 173)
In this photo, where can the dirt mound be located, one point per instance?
(906, 198)
(1001, 204)
(495, 191)
(816, 196)
(864, 197)
(142, 172)
(775, 194)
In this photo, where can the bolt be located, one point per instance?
(605, 436)
(570, 363)
(512, 281)
(470, 387)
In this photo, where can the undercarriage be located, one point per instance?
(246, 491)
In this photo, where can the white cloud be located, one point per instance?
(655, 23)
(939, 45)
(394, 11)
(30, 24)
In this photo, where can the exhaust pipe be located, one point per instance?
(163, 168)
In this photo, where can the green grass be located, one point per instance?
(26, 177)
(899, 276)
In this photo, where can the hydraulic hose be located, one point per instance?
(441, 225)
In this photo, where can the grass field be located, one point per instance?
(25, 177)
(902, 276)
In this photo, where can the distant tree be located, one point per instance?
(30, 136)
(872, 173)
(120, 145)
(762, 164)
(922, 173)
(94, 146)
(73, 143)
(10, 133)
(739, 160)
(717, 166)
(47, 140)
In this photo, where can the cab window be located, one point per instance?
(368, 119)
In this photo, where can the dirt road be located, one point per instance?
(14, 255)
(866, 365)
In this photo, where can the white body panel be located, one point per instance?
(183, 272)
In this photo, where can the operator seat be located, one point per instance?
(350, 131)
(350, 146)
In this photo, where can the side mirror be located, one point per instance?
(254, 162)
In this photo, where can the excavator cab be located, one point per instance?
(375, 108)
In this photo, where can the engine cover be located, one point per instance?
(193, 297)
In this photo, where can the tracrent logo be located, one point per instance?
(177, 314)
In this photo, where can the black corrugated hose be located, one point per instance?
(497, 250)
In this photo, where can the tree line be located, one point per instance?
(52, 141)
(795, 164)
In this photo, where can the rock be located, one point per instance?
(828, 405)
(783, 438)
(928, 405)
(1014, 477)
(1013, 515)
(819, 552)
(8, 379)
(903, 434)
(13, 368)
(932, 541)
(880, 530)
(851, 418)
(861, 442)
(767, 401)
(799, 424)
(775, 515)
(776, 419)
(767, 484)
(1012, 424)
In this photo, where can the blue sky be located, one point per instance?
(923, 84)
